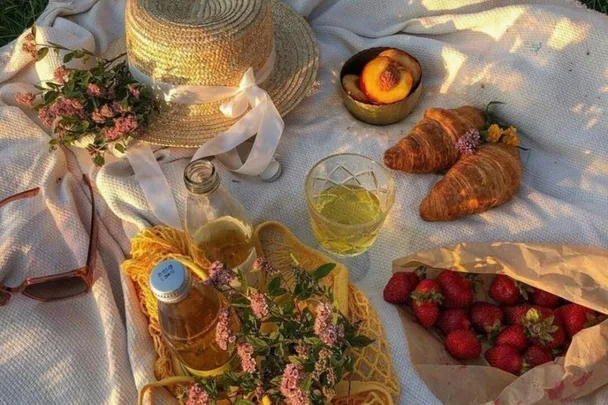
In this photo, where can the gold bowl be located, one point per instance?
(377, 114)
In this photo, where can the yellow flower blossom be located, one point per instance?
(494, 133)
(510, 137)
(266, 401)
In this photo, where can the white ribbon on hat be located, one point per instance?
(262, 120)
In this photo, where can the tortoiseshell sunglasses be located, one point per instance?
(58, 286)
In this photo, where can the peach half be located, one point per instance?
(385, 82)
(350, 83)
(406, 61)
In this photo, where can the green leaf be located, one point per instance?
(33, 30)
(323, 271)
(312, 340)
(244, 402)
(68, 57)
(119, 147)
(42, 52)
(360, 341)
(274, 286)
(99, 160)
(295, 360)
(50, 96)
(307, 383)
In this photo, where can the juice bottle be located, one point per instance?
(188, 312)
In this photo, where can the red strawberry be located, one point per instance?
(544, 328)
(399, 287)
(545, 299)
(457, 290)
(463, 344)
(514, 336)
(576, 317)
(514, 315)
(506, 290)
(506, 358)
(453, 319)
(426, 298)
(486, 318)
(537, 355)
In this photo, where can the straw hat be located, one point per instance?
(213, 43)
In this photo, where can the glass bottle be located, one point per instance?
(217, 225)
(188, 312)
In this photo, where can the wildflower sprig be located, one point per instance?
(292, 346)
(103, 105)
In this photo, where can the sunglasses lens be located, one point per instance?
(4, 297)
(57, 289)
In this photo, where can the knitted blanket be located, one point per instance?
(547, 60)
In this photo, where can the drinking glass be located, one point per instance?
(349, 196)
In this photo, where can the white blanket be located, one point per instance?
(547, 60)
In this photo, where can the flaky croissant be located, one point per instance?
(431, 145)
(475, 183)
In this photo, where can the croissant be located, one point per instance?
(475, 183)
(431, 145)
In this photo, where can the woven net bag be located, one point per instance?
(373, 382)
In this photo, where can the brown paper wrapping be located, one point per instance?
(576, 273)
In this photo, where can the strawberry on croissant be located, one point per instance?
(431, 145)
(476, 183)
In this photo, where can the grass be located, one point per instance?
(17, 15)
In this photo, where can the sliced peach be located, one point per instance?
(384, 82)
(404, 60)
(351, 87)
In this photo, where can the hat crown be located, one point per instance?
(204, 42)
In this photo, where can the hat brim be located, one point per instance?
(294, 72)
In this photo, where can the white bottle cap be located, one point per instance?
(170, 281)
(272, 172)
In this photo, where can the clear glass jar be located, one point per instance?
(188, 312)
(217, 225)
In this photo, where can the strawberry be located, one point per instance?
(544, 328)
(506, 358)
(507, 291)
(425, 302)
(486, 318)
(544, 298)
(399, 287)
(514, 315)
(453, 319)
(457, 290)
(463, 344)
(576, 317)
(514, 336)
(537, 355)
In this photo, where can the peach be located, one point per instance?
(406, 61)
(350, 83)
(385, 82)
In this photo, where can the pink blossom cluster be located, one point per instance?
(63, 107)
(219, 275)
(468, 143)
(259, 306)
(302, 350)
(26, 99)
(324, 327)
(61, 75)
(100, 115)
(29, 45)
(245, 352)
(290, 385)
(322, 366)
(95, 90)
(262, 264)
(122, 126)
(223, 330)
(134, 90)
(196, 396)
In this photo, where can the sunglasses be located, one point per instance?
(59, 286)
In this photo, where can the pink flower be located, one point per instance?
(122, 126)
(117, 107)
(29, 45)
(262, 264)
(290, 385)
(468, 143)
(97, 117)
(106, 111)
(324, 327)
(61, 75)
(259, 306)
(27, 99)
(94, 90)
(302, 350)
(46, 116)
(245, 352)
(223, 330)
(134, 90)
(196, 396)
(322, 366)
(219, 275)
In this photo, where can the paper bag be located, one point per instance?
(576, 273)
